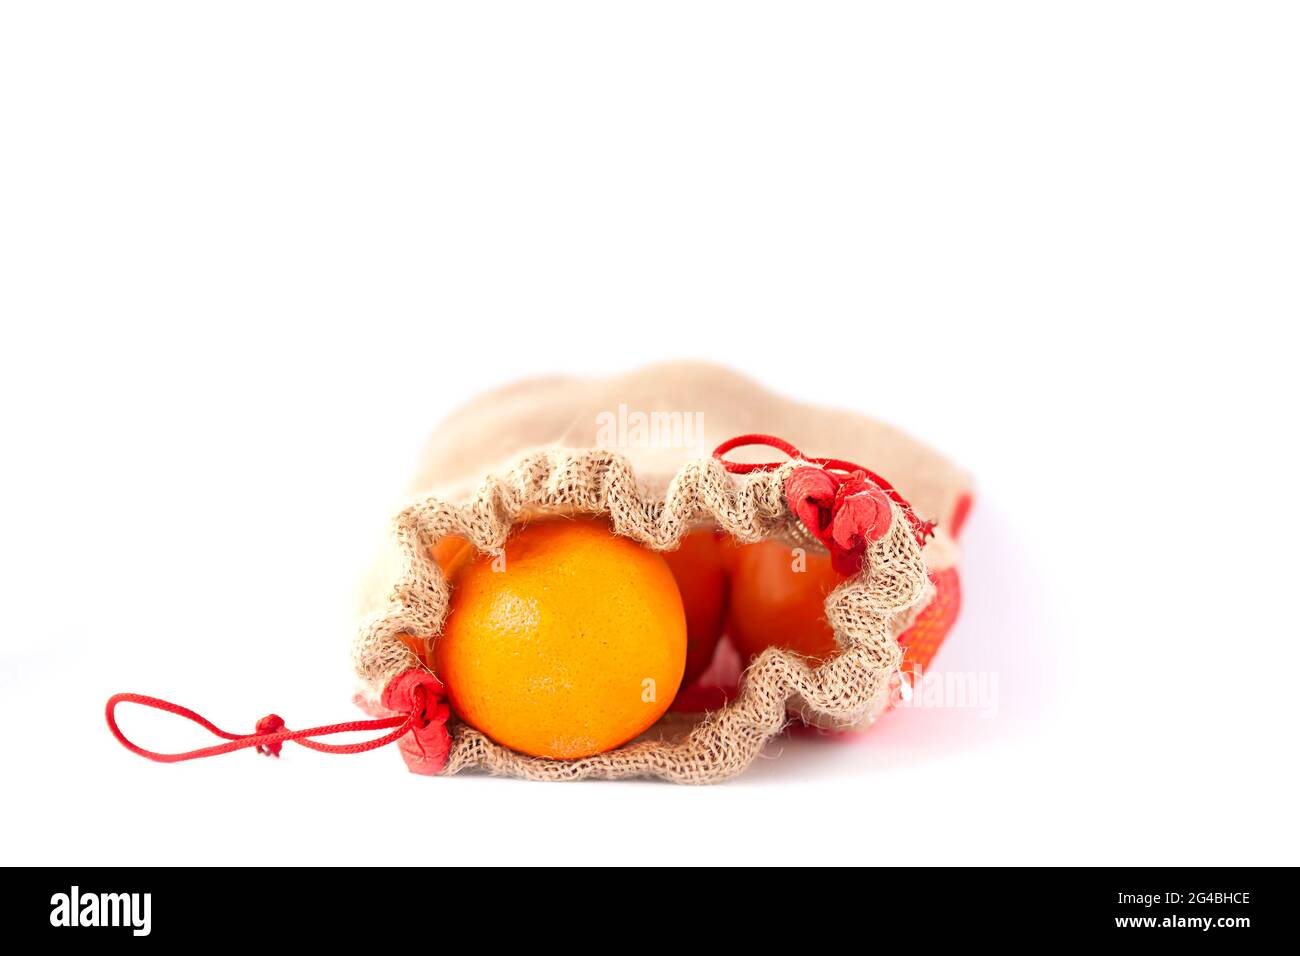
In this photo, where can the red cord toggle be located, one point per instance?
(418, 725)
(270, 724)
(843, 505)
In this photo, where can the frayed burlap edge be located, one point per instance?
(865, 612)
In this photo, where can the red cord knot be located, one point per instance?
(844, 513)
(270, 724)
(415, 719)
(843, 505)
(421, 696)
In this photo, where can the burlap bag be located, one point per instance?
(544, 446)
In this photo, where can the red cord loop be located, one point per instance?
(842, 504)
(742, 441)
(421, 716)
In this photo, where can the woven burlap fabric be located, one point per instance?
(865, 612)
(542, 441)
(487, 434)
(490, 431)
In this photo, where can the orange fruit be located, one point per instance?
(773, 604)
(571, 647)
(698, 567)
(447, 550)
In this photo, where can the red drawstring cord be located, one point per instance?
(417, 694)
(841, 503)
(830, 464)
(768, 441)
(268, 738)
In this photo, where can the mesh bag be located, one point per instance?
(635, 448)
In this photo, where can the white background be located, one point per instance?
(250, 253)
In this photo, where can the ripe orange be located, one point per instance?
(701, 578)
(447, 550)
(574, 647)
(772, 604)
